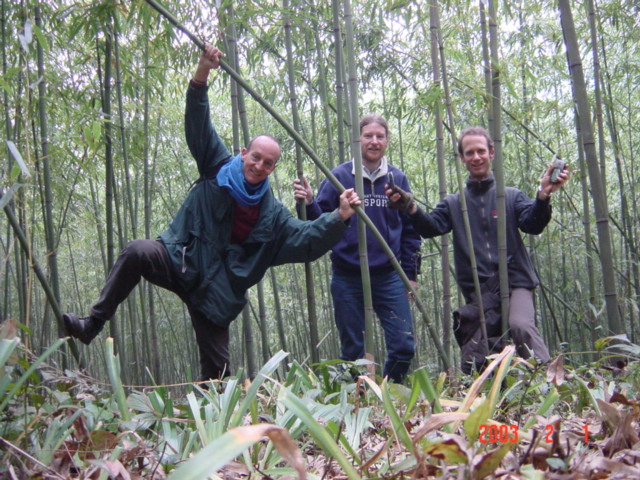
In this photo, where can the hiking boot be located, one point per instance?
(84, 329)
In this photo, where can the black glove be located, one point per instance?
(405, 203)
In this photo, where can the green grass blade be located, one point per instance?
(113, 370)
(396, 421)
(221, 451)
(319, 433)
(30, 370)
(548, 403)
(265, 371)
(424, 381)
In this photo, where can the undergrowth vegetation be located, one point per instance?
(515, 420)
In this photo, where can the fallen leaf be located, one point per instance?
(555, 371)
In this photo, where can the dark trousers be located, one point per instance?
(390, 303)
(149, 259)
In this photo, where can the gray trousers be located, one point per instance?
(149, 259)
(522, 325)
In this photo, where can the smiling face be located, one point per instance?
(373, 144)
(476, 156)
(260, 159)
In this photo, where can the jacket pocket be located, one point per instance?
(191, 262)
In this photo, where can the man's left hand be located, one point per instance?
(547, 187)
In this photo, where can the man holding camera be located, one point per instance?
(475, 149)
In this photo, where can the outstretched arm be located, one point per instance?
(210, 59)
(204, 142)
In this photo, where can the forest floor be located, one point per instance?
(516, 420)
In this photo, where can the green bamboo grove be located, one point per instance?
(93, 99)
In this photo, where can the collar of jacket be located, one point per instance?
(381, 171)
(480, 186)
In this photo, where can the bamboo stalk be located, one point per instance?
(599, 193)
(22, 239)
(314, 337)
(498, 169)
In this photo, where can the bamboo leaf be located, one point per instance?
(474, 391)
(397, 423)
(27, 37)
(318, 432)
(437, 421)
(548, 404)
(264, 372)
(233, 443)
(450, 450)
(113, 370)
(9, 194)
(6, 350)
(422, 376)
(29, 371)
(490, 461)
(476, 419)
(18, 158)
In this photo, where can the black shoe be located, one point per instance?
(84, 329)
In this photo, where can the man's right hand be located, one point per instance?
(209, 59)
(302, 191)
(401, 200)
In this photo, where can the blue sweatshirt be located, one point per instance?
(396, 228)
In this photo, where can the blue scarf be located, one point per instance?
(232, 178)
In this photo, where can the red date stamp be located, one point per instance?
(498, 433)
(509, 433)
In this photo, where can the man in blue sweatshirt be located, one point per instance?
(390, 300)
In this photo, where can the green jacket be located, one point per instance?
(213, 274)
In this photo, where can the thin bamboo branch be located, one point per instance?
(22, 239)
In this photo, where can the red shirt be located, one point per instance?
(244, 219)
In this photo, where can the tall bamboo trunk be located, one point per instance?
(486, 66)
(242, 135)
(52, 255)
(357, 159)
(340, 107)
(434, 20)
(461, 189)
(109, 188)
(324, 94)
(148, 214)
(308, 272)
(498, 166)
(597, 186)
(628, 228)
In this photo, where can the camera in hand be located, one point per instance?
(558, 166)
(392, 182)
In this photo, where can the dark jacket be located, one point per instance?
(530, 216)
(395, 227)
(213, 273)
